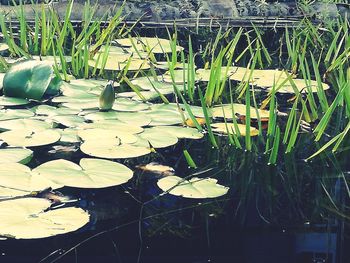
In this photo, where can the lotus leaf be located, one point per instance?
(106, 149)
(29, 79)
(164, 117)
(230, 128)
(193, 188)
(225, 111)
(158, 138)
(29, 138)
(91, 173)
(15, 155)
(180, 132)
(15, 114)
(24, 124)
(19, 177)
(153, 44)
(9, 101)
(27, 218)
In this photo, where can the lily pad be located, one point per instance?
(113, 151)
(225, 111)
(158, 138)
(180, 132)
(152, 44)
(27, 218)
(9, 101)
(20, 177)
(91, 173)
(9, 114)
(15, 155)
(164, 117)
(29, 79)
(226, 128)
(123, 104)
(24, 124)
(193, 188)
(29, 138)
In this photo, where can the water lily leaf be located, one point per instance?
(225, 111)
(180, 76)
(164, 117)
(123, 104)
(164, 65)
(82, 104)
(9, 114)
(9, 101)
(193, 188)
(15, 155)
(90, 173)
(180, 132)
(138, 119)
(114, 136)
(50, 111)
(153, 44)
(25, 124)
(113, 125)
(29, 138)
(3, 47)
(28, 79)
(302, 85)
(148, 83)
(70, 121)
(117, 62)
(20, 177)
(25, 219)
(109, 150)
(146, 95)
(158, 138)
(204, 74)
(68, 135)
(221, 128)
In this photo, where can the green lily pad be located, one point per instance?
(9, 114)
(29, 138)
(226, 128)
(164, 117)
(193, 188)
(46, 110)
(29, 80)
(153, 44)
(107, 149)
(138, 119)
(24, 124)
(15, 155)
(285, 86)
(28, 218)
(20, 177)
(225, 111)
(123, 104)
(109, 136)
(9, 101)
(180, 132)
(158, 138)
(113, 125)
(3, 47)
(70, 121)
(91, 173)
(118, 62)
(68, 135)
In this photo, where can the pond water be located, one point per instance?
(179, 158)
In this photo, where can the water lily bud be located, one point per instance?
(107, 97)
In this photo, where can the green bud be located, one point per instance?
(107, 97)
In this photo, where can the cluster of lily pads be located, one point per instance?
(39, 110)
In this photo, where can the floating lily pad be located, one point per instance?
(70, 121)
(164, 117)
(302, 85)
(15, 155)
(25, 124)
(180, 76)
(3, 47)
(138, 119)
(230, 128)
(19, 177)
(180, 132)
(148, 83)
(27, 218)
(117, 62)
(10, 101)
(9, 114)
(29, 79)
(123, 104)
(29, 138)
(108, 136)
(91, 173)
(225, 111)
(50, 111)
(204, 74)
(158, 138)
(68, 135)
(113, 125)
(193, 188)
(109, 150)
(153, 44)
